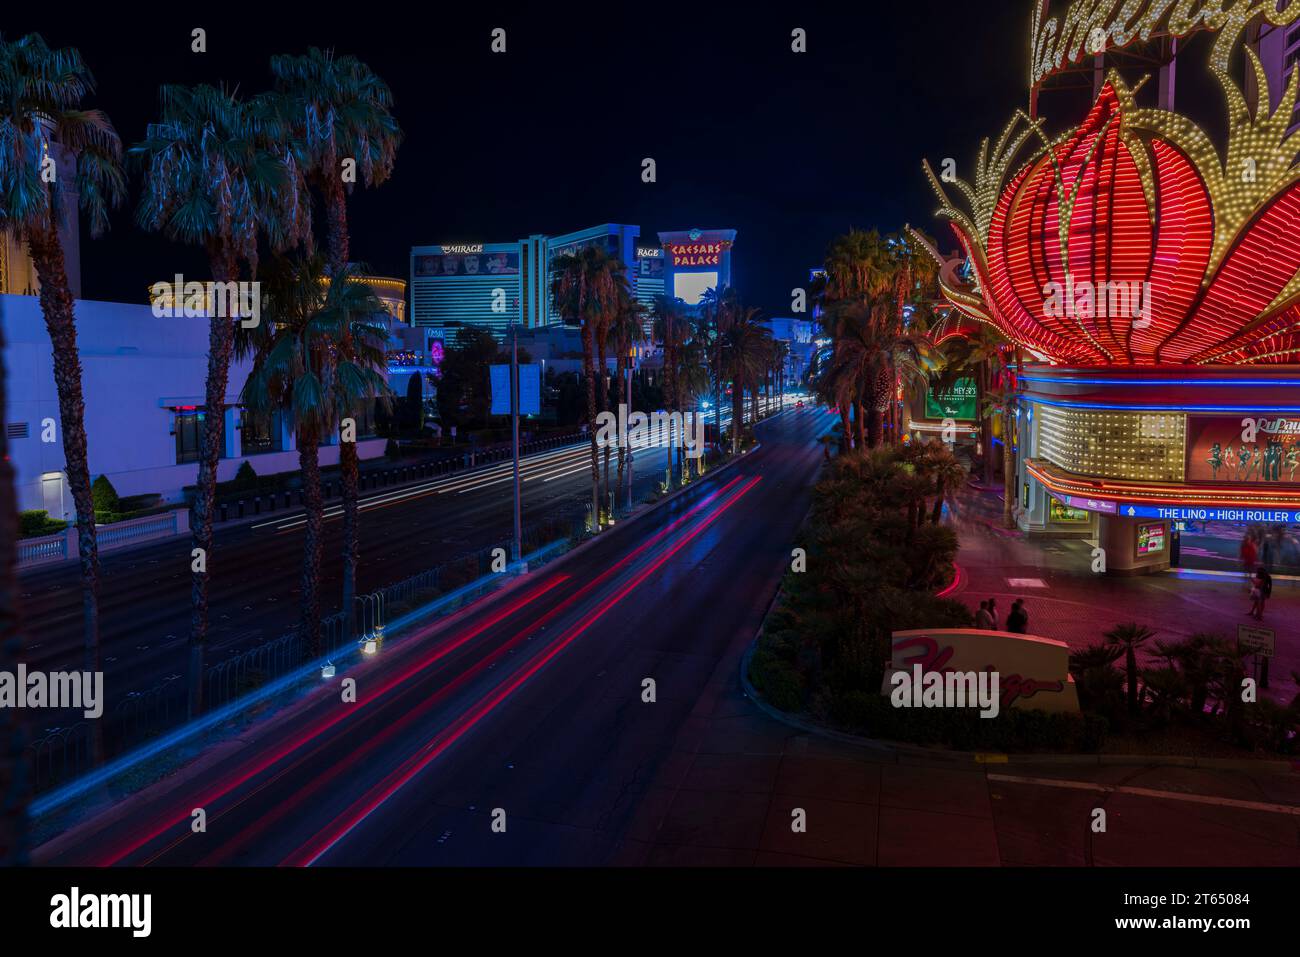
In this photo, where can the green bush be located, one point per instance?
(36, 522)
(105, 495)
(777, 680)
(246, 477)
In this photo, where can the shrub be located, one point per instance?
(246, 477)
(777, 680)
(392, 450)
(104, 495)
(35, 523)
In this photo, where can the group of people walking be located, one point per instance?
(986, 618)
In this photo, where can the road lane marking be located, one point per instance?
(1149, 793)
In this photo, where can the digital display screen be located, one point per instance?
(1151, 539)
(467, 264)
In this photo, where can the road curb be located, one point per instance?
(899, 751)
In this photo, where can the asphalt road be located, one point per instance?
(145, 592)
(531, 701)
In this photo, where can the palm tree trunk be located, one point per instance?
(603, 395)
(588, 349)
(670, 389)
(60, 322)
(221, 342)
(846, 429)
(336, 211)
(15, 781)
(350, 479)
(622, 449)
(309, 465)
(1008, 466)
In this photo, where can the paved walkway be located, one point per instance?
(1070, 603)
(726, 795)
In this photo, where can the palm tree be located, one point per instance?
(691, 379)
(299, 369)
(585, 286)
(41, 121)
(217, 176)
(747, 346)
(1130, 636)
(628, 331)
(670, 327)
(337, 109)
(14, 781)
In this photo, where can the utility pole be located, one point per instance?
(628, 373)
(514, 424)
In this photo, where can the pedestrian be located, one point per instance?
(993, 612)
(983, 619)
(1018, 619)
(1261, 592)
(1248, 554)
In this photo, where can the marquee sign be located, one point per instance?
(691, 255)
(1089, 27)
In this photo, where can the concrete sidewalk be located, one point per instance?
(727, 793)
(1070, 603)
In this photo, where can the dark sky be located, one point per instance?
(788, 149)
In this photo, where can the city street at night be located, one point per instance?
(490, 468)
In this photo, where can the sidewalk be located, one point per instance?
(1070, 603)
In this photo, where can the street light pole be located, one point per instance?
(514, 417)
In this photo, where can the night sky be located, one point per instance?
(788, 149)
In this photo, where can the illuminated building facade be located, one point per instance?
(1147, 279)
(492, 285)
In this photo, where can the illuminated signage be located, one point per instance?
(466, 264)
(1091, 504)
(957, 402)
(1090, 27)
(644, 253)
(1065, 514)
(1196, 513)
(1222, 449)
(690, 255)
(463, 248)
(1151, 539)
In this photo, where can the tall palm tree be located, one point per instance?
(1130, 636)
(217, 176)
(14, 780)
(585, 286)
(42, 122)
(628, 331)
(748, 343)
(670, 327)
(691, 382)
(299, 369)
(337, 110)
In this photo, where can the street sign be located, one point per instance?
(530, 389)
(1257, 641)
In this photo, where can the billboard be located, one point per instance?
(467, 264)
(650, 267)
(1151, 538)
(1218, 450)
(1064, 514)
(956, 402)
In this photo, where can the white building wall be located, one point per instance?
(133, 367)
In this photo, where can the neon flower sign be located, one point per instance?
(1138, 195)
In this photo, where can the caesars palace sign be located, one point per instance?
(1089, 27)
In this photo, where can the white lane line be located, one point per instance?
(448, 484)
(1149, 793)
